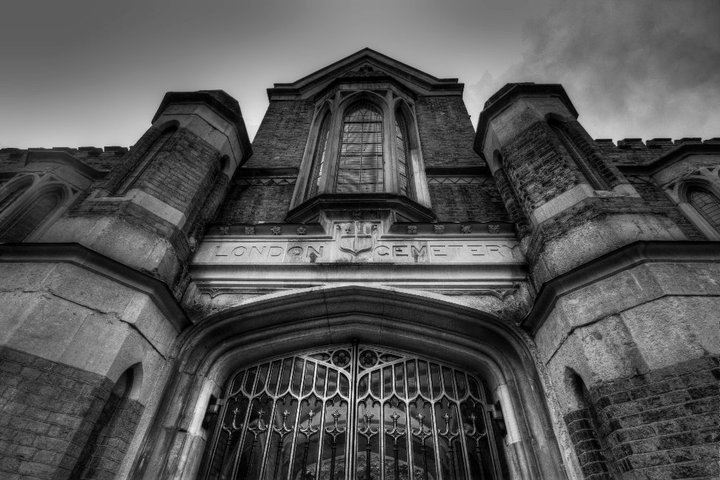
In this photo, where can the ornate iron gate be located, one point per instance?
(353, 412)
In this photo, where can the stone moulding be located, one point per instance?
(76, 254)
(610, 264)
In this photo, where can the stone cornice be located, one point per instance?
(511, 92)
(78, 255)
(62, 158)
(220, 102)
(309, 210)
(611, 264)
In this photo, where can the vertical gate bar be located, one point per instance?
(408, 422)
(351, 436)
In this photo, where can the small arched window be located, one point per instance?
(360, 164)
(706, 203)
(27, 221)
(580, 159)
(318, 163)
(133, 176)
(402, 152)
(109, 439)
(13, 191)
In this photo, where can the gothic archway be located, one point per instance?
(418, 329)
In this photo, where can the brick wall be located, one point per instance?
(446, 133)
(534, 164)
(466, 199)
(256, 203)
(47, 411)
(654, 196)
(283, 133)
(583, 434)
(663, 424)
(180, 173)
(109, 440)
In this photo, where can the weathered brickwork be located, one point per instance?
(653, 195)
(283, 133)
(254, 204)
(109, 440)
(605, 170)
(663, 424)
(446, 134)
(511, 202)
(47, 411)
(461, 202)
(536, 167)
(583, 434)
(181, 173)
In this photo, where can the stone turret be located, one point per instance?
(569, 203)
(152, 209)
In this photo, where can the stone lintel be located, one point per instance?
(612, 263)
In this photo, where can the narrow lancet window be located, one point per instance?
(360, 167)
(318, 163)
(147, 159)
(579, 157)
(402, 151)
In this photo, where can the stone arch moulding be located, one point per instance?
(279, 324)
(682, 189)
(46, 187)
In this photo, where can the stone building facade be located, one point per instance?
(371, 290)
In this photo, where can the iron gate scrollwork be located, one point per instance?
(357, 412)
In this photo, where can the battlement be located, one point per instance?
(99, 158)
(635, 151)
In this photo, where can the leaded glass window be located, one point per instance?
(353, 412)
(318, 163)
(360, 161)
(402, 151)
(27, 221)
(706, 203)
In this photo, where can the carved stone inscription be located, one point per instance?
(352, 249)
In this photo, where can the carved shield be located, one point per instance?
(356, 237)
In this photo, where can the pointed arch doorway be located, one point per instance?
(220, 353)
(354, 411)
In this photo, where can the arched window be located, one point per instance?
(360, 412)
(318, 162)
(132, 177)
(25, 222)
(578, 156)
(402, 153)
(360, 161)
(14, 189)
(706, 204)
(109, 439)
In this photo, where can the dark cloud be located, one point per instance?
(633, 68)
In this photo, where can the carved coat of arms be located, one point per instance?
(356, 237)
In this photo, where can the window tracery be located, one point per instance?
(706, 203)
(353, 412)
(360, 161)
(24, 221)
(363, 142)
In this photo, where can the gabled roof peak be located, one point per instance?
(367, 63)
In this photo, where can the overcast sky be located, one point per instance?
(91, 72)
